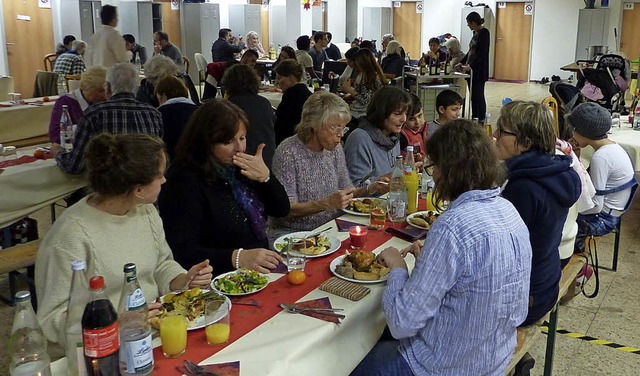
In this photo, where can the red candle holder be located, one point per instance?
(358, 236)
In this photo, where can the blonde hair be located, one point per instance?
(159, 66)
(533, 124)
(316, 112)
(93, 78)
(394, 47)
(252, 34)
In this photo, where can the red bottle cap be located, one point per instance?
(96, 283)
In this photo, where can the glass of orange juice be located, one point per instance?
(218, 322)
(173, 334)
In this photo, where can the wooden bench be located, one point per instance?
(528, 335)
(18, 257)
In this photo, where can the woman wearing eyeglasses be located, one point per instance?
(311, 166)
(542, 186)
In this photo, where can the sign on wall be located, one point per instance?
(396, 4)
(175, 4)
(418, 7)
(44, 4)
(502, 4)
(628, 6)
(528, 9)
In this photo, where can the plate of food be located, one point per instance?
(422, 219)
(359, 206)
(315, 246)
(190, 304)
(240, 282)
(359, 267)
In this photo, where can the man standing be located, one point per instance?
(137, 50)
(162, 46)
(317, 53)
(222, 49)
(333, 52)
(107, 47)
(121, 113)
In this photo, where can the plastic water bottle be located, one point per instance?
(73, 326)
(27, 344)
(397, 192)
(136, 351)
(66, 129)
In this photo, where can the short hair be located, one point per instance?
(159, 66)
(93, 78)
(318, 35)
(240, 79)
(78, 46)
(129, 38)
(290, 51)
(351, 52)
(394, 47)
(532, 123)
(416, 105)
(118, 163)
(316, 112)
(222, 33)
(367, 44)
(68, 39)
(329, 35)
(434, 40)
(453, 45)
(448, 98)
(107, 14)
(290, 67)
(303, 42)
(466, 158)
(216, 121)
(250, 52)
(386, 101)
(123, 78)
(171, 87)
(162, 35)
(388, 37)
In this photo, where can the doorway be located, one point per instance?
(407, 28)
(29, 37)
(630, 34)
(513, 41)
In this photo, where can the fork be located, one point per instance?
(291, 309)
(198, 370)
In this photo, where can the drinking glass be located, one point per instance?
(173, 334)
(378, 214)
(295, 258)
(218, 322)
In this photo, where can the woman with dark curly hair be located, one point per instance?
(241, 84)
(458, 311)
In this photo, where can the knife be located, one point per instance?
(304, 308)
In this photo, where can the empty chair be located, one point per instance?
(48, 61)
(186, 63)
(201, 65)
(46, 84)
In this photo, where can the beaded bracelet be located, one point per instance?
(238, 257)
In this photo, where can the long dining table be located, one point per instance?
(265, 340)
(26, 123)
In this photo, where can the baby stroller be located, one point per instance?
(605, 80)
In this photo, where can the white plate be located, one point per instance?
(338, 260)
(358, 213)
(213, 286)
(417, 213)
(199, 322)
(334, 246)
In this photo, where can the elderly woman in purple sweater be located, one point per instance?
(91, 91)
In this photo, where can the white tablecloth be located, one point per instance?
(274, 97)
(625, 137)
(25, 124)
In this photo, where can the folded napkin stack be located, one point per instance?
(345, 289)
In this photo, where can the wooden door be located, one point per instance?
(407, 28)
(29, 36)
(513, 40)
(630, 34)
(171, 25)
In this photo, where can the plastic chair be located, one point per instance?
(49, 59)
(201, 65)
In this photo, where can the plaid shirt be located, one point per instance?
(69, 63)
(121, 114)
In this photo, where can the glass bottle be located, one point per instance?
(136, 351)
(66, 129)
(73, 326)
(27, 344)
(411, 181)
(397, 192)
(100, 332)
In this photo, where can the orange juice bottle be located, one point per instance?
(411, 181)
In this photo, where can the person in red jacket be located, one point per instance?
(414, 130)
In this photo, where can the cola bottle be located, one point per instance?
(100, 332)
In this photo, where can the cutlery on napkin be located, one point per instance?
(322, 303)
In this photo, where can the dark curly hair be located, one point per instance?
(240, 79)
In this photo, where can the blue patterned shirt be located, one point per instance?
(69, 63)
(458, 312)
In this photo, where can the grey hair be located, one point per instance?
(159, 66)
(79, 46)
(394, 47)
(388, 37)
(316, 112)
(122, 78)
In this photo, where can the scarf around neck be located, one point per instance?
(247, 199)
(387, 142)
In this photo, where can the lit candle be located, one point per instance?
(358, 235)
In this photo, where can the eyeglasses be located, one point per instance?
(428, 167)
(338, 130)
(502, 132)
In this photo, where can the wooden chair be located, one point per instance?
(71, 77)
(553, 105)
(201, 65)
(49, 59)
(186, 63)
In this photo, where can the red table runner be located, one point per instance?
(246, 318)
(22, 160)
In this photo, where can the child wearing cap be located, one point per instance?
(448, 106)
(610, 169)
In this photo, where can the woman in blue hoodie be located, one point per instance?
(542, 186)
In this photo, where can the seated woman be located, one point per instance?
(286, 53)
(114, 225)
(91, 91)
(312, 167)
(542, 186)
(369, 79)
(241, 84)
(373, 147)
(175, 107)
(610, 169)
(393, 63)
(158, 67)
(458, 311)
(294, 94)
(217, 198)
(253, 43)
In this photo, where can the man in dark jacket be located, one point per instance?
(333, 52)
(222, 49)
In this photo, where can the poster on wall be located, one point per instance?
(44, 4)
(528, 9)
(175, 4)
